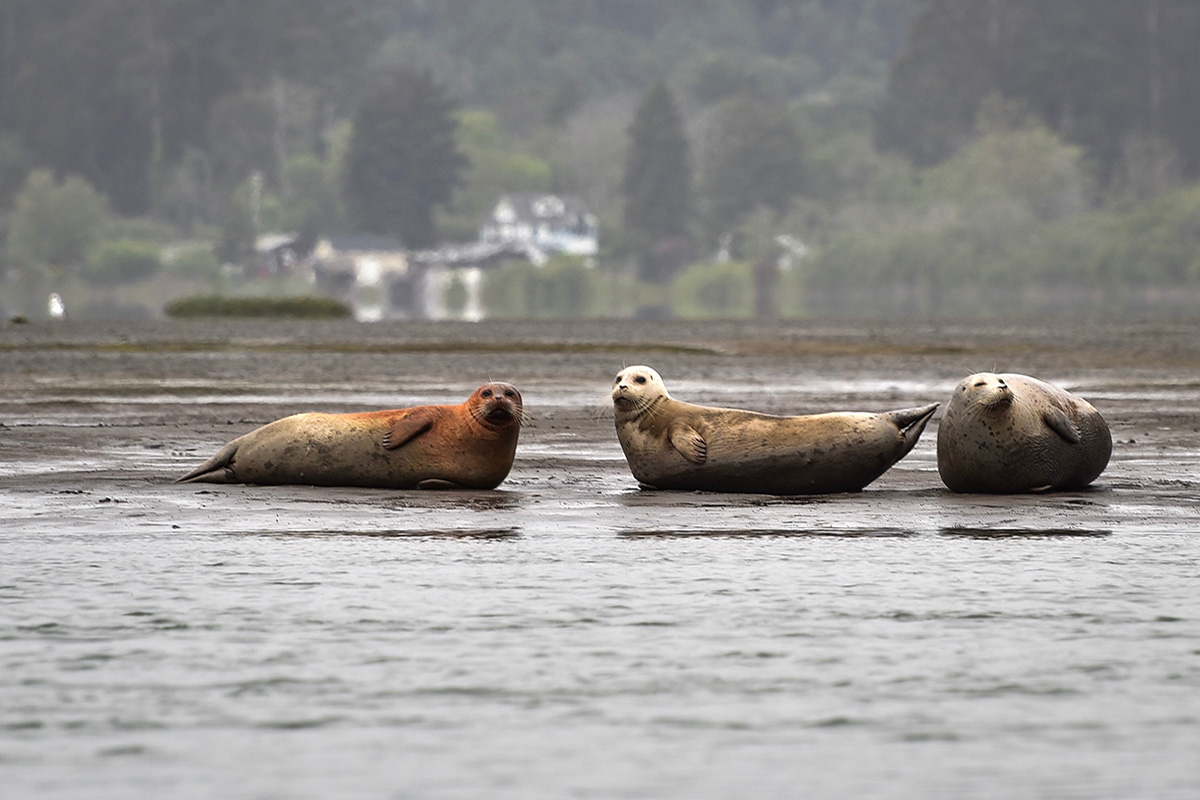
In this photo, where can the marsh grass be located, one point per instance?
(307, 307)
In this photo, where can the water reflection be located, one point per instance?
(1027, 533)
(646, 496)
(733, 533)
(416, 533)
(456, 500)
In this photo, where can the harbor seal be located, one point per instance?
(670, 444)
(468, 446)
(1013, 433)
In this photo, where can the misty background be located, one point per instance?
(601, 158)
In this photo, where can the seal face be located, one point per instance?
(1012, 433)
(468, 446)
(670, 444)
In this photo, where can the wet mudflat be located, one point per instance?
(570, 634)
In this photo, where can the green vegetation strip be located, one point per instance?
(355, 347)
(734, 347)
(268, 307)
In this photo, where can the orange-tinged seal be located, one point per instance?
(468, 446)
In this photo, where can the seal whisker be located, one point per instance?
(601, 411)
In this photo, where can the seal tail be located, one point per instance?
(213, 470)
(911, 422)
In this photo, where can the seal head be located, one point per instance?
(497, 405)
(637, 390)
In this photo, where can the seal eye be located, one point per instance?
(981, 383)
(510, 393)
(640, 379)
(487, 392)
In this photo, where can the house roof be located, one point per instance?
(476, 254)
(532, 207)
(269, 242)
(365, 243)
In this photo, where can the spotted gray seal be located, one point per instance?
(670, 444)
(1013, 433)
(468, 446)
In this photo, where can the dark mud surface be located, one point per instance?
(97, 419)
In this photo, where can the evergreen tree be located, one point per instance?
(241, 135)
(657, 186)
(754, 159)
(113, 89)
(1098, 72)
(403, 157)
(938, 80)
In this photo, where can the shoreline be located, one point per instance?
(97, 420)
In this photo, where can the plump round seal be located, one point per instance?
(675, 445)
(1013, 433)
(468, 446)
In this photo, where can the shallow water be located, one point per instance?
(494, 662)
(571, 635)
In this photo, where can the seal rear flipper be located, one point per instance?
(217, 469)
(405, 428)
(912, 422)
(1058, 422)
(688, 441)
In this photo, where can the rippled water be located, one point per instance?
(497, 663)
(572, 636)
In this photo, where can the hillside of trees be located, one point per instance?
(790, 157)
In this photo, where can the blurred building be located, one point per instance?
(277, 254)
(357, 267)
(384, 280)
(547, 222)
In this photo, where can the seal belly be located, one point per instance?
(321, 450)
(347, 450)
(816, 454)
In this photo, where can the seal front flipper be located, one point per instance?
(688, 441)
(407, 427)
(1058, 422)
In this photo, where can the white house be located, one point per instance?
(342, 264)
(548, 222)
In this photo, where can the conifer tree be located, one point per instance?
(657, 185)
(1097, 72)
(753, 159)
(403, 157)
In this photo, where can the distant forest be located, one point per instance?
(916, 155)
(120, 90)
